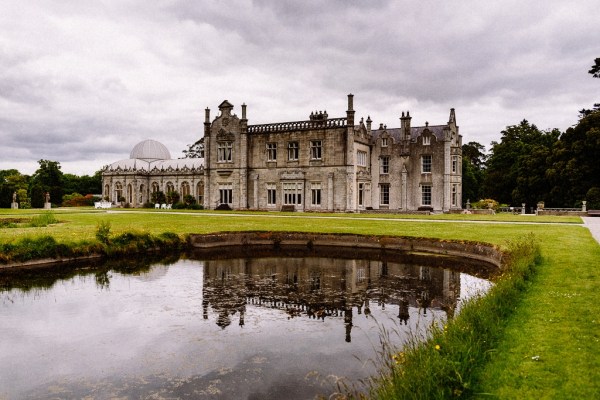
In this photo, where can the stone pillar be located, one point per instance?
(256, 202)
(584, 206)
(404, 189)
(14, 206)
(523, 209)
(330, 191)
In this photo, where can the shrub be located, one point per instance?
(77, 200)
(486, 204)
(103, 232)
(593, 198)
(43, 220)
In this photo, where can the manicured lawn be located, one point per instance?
(550, 348)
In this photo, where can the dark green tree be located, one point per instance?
(11, 181)
(50, 178)
(473, 171)
(84, 184)
(195, 150)
(36, 194)
(595, 70)
(576, 162)
(517, 165)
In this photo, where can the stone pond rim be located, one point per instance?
(475, 251)
(212, 244)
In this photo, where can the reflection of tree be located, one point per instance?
(102, 279)
(27, 279)
(318, 288)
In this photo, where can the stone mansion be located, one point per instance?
(318, 164)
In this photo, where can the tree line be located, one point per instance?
(529, 165)
(30, 191)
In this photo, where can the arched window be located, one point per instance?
(118, 191)
(185, 189)
(106, 194)
(155, 187)
(170, 187)
(200, 193)
(141, 194)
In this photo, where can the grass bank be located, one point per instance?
(448, 364)
(45, 246)
(555, 318)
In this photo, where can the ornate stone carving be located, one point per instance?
(295, 175)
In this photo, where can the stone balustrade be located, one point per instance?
(298, 125)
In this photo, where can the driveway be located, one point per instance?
(593, 223)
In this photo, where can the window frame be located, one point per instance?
(271, 194)
(426, 163)
(225, 152)
(226, 193)
(426, 195)
(384, 194)
(292, 193)
(361, 158)
(361, 194)
(271, 151)
(293, 149)
(316, 150)
(384, 165)
(454, 195)
(316, 194)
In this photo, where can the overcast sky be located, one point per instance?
(81, 82)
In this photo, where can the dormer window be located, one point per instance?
(384, 142)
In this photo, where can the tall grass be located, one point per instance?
(446, 364)
(42, 220)
(45, 246)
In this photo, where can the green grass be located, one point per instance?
(555, 318)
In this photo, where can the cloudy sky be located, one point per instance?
(81, 82)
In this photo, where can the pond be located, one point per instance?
(268, 327)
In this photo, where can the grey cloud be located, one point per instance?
(146, 70)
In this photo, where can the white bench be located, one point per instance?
(102, 204)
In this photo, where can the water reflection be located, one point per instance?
(250, 327)
(324, 288)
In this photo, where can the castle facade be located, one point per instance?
(319, 164)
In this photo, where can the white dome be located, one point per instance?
(150, 150)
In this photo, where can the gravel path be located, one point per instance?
(593, 224)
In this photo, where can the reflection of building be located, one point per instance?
(320, 164)
(324, 287)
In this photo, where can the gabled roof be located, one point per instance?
(436, 130)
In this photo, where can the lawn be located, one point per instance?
(550, 348)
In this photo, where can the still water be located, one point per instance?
(247, 328)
